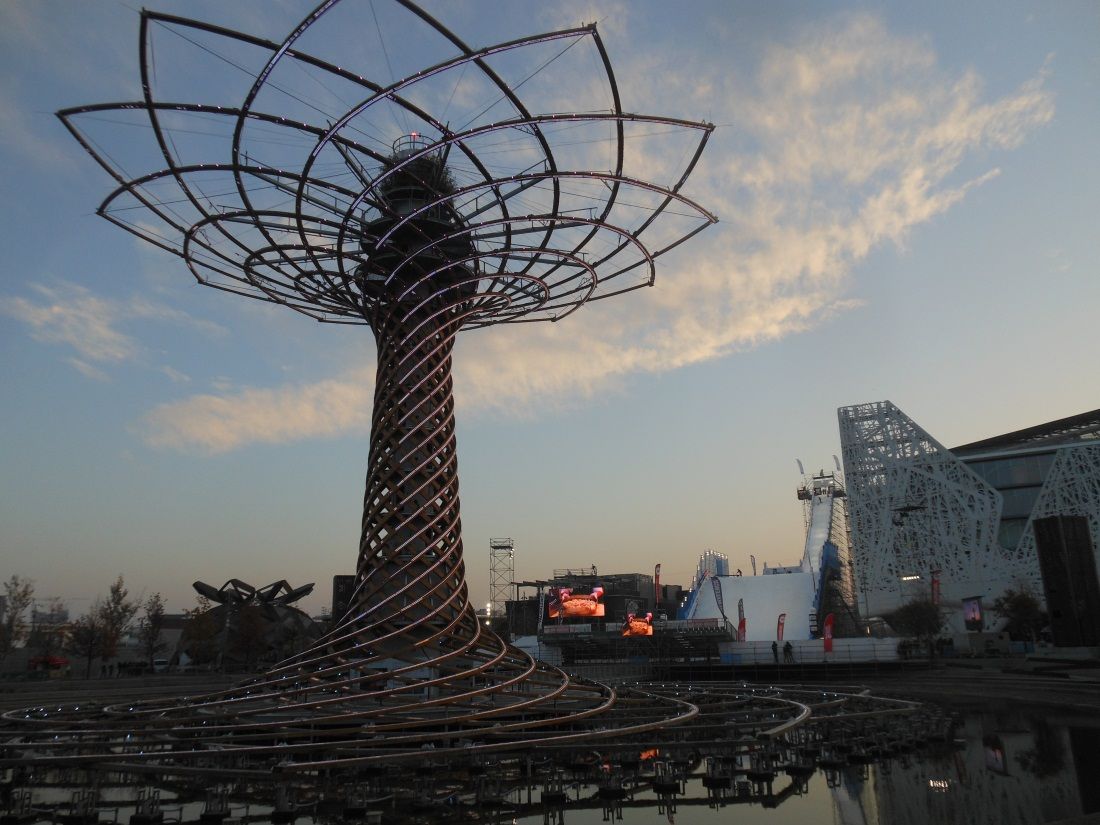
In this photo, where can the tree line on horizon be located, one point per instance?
(97, 634)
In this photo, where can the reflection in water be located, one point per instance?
(1005, 767)
(1008, 767)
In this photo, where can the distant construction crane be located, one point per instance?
(502, 568)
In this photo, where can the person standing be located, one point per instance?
(775, 651)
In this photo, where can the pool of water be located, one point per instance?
(1004, 766)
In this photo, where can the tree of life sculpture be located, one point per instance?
(417, 238)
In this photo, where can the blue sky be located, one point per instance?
(907, 195)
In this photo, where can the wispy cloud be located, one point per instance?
(256, 415)
(857, 137)
(174, 375)
(87, 370)
(72, 315)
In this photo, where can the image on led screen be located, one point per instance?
(638, 625)
(565, 604)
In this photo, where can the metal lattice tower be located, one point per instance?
(914, 507)
(502, 569)
(419, 238)
(1072, 488)
(825, 514)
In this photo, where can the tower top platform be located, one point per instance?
(524, 214)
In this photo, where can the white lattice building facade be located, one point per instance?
(962, 517)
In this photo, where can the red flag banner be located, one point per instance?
(741, 630)
(779, 626)
(935, 587)
(829, 632)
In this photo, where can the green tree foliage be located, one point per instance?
(920, 619)
(1023, 613)
(18, 596)
(150, 627)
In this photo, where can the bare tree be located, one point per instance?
(87, 636)
(18, 595)
(115, 616)
(152, 623)
(200, 633)
(47, 638)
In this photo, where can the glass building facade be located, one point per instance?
(1019, 479)
(1019, 466)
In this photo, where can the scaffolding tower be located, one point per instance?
(502, 568)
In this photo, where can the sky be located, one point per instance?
(907, 198)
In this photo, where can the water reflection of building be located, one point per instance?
(1013, 768)
(961, 523)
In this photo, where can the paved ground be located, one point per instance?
(979, 682)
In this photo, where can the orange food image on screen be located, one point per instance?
(638, 627)
(574, 605)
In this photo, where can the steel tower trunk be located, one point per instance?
(410, 580)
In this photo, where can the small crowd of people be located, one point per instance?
(788, 653)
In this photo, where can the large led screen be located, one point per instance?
(563, 603)
(972, 613)
(638, 625)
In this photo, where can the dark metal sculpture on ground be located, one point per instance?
(418, 239)
(236, 591)
(247, 625)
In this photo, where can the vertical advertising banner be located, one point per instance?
(741, 620)
(829, 632)
(779, 626)
(972, 613)
(935, 587)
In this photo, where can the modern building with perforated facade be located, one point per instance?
(960, 524)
